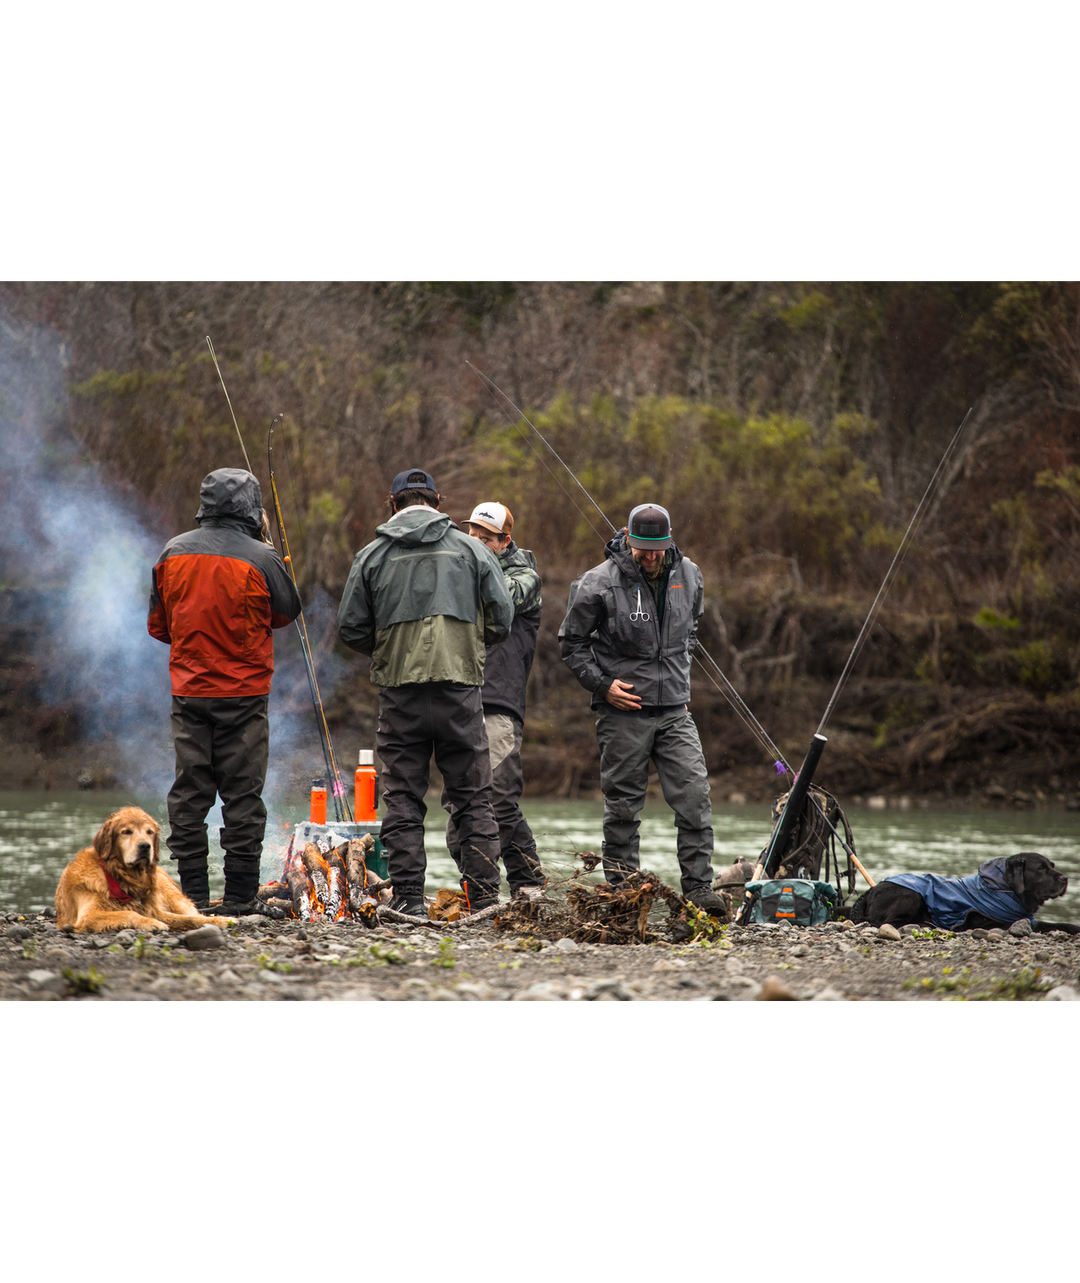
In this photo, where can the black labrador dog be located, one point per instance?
(1031, 878)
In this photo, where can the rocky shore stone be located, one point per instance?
(47, 981)
(888, 932)
(203, 938)
(1022, 927)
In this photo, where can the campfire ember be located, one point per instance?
(329, 885)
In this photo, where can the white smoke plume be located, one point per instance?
(77, 555)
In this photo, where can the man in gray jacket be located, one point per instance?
(628, 637)
(422, 600)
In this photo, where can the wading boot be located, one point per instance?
(240, 899)
(195, 884)
(410, 901)
(706, 899)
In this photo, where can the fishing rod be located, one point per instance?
(797, 795)
(342, 810)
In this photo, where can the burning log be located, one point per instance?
(274, 891)
(366, 910)
(363, 884)
(299, 891)
(317, 870)
(337, 900)
(286, 906)
(356, 858)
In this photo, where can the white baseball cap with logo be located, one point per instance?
(493, 516)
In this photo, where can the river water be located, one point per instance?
(39, 833)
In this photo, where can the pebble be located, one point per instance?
(996, 933)
(203, 938)
(566, 945)
(1063, 993)
(228, 977)
(800, 951)
(828, 994)
(615, 988)
(47, 981)
(887, 932)
(361, 993)
(18, 932)
(125, 938)
(541, 992)
(478, 992)
(1022, 927)
(773, 989)
(850, 926)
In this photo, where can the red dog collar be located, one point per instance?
(116, 891)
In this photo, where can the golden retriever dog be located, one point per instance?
(118, 883)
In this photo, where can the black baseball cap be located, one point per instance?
(649, 528)
(413, 479)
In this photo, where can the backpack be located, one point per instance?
(800, 901)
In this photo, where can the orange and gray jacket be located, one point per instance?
(218, 591)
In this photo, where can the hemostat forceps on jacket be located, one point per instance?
(635, 615)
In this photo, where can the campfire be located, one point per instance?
(323, 883)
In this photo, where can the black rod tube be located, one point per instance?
(793, 808)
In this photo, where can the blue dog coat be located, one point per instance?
(950, 900)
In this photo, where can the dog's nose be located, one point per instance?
(143, 850)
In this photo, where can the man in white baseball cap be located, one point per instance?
(506, 674)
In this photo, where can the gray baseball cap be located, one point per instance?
(649, 528)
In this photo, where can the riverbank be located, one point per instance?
(262, 961)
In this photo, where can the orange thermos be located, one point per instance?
(367, 786)
(318, 801)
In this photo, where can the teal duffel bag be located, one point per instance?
(799, 901)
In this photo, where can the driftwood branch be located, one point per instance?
(392, 915)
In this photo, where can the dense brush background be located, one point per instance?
(789, 428)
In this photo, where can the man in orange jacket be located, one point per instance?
(217, 593)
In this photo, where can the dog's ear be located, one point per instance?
(1015, 871)
(104, 838)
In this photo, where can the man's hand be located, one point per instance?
(618, 695)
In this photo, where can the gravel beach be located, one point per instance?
(259, 960)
